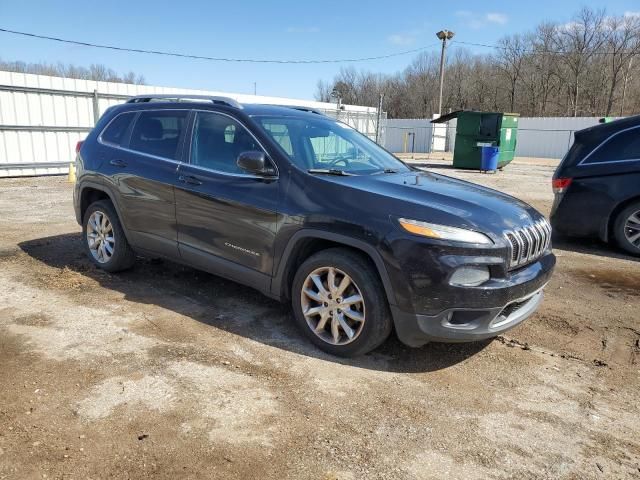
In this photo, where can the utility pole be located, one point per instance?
(443, 35)
(336, 94)
(379, 115)
(255, 87)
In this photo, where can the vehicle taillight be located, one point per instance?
(560, 185)
(78, 146)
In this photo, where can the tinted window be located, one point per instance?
(315, 142)
(217, 142)
(157, 133)
(117, 129)
(280, 134)
(623, 146)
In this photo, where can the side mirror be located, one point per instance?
(255, 162)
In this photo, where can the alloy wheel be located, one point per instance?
(333, 305)
(632, 229)
(100, 237)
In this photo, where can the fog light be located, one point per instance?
(470, 276)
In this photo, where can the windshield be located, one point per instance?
(324, 144)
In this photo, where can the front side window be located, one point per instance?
(217, 142)
(117, 129)
(322, 143)
(623, 146)
(158, 133)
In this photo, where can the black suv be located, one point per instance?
(306, 209)
(597, 185)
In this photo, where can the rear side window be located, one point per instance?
(621, 146)
(116, 131)
(157, 133)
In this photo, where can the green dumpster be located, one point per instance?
(479, 129)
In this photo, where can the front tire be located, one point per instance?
(339, 303)
(104, 239)
(626, 229)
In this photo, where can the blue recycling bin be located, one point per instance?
(489, 159)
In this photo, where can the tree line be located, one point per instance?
(96, 72)
(589, 66)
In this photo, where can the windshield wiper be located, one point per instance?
(386, 170)
(330, 171)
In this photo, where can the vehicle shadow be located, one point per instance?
(591, 247)
(233, 307)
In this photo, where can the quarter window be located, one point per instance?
(217, 142)
(623, 146)
(116, 131)
(157, 133)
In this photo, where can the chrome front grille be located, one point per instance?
(529, 243)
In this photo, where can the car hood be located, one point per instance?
(440, 199)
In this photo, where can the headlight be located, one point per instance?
(443, 232)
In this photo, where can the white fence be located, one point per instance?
(545, 137)
(42, 118)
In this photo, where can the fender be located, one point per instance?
(103, 187)
(277, 282)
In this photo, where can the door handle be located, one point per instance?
(118, 163)
(190, 179)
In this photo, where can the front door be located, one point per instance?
(226, 218)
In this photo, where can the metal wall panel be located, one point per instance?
(544, 137)
(401, 134)
(549, 137)
(39, 129)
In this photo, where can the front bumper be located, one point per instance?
(485, 313)
(460, 325)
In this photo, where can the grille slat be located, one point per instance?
(529, 242)
(543, 238)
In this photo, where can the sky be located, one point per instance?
(272, 29)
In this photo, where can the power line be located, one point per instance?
(541, 52)
(213, 59)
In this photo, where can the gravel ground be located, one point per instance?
(167, 372)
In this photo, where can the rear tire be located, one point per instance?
(103, 238)
(339, 303)
(626, 229)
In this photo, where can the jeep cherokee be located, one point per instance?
(307, 210)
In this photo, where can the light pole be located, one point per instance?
(336, 94)
(443, 35)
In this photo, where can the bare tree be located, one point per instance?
(589, 66)
(623, 43)
(579, 40)
(94, 72)
(323, 91)
(510, 60)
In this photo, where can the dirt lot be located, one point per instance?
(167, 372)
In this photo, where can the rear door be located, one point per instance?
(144, 170)
(226, 218)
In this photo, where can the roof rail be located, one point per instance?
(217, 100)
(303, 109)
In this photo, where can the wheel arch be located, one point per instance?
(609, 225)
(305, 243)
(91, 192)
